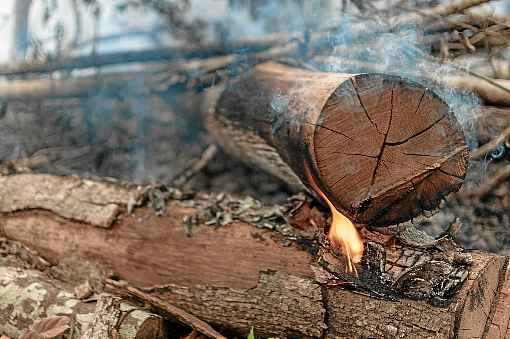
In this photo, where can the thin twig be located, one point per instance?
(500, 177)
(455, 7)
(182, 316)
(197, 166)
(480, 152)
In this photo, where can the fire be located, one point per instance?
(342, 233)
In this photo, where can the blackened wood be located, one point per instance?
(239, 275)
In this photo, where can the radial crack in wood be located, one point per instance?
(366, 138)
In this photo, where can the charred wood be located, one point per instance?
(354, 133)
(282, 280)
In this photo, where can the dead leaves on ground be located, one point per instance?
(47, 328)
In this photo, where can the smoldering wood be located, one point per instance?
(488, 119)
(260, 271)
(354, 133)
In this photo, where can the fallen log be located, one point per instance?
(382, 149)
(31, 296)
(237, 264)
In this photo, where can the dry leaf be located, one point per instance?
(83, 291)
(4, 337)
(29, 334)
(47, 328)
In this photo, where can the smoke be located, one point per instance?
(139, 135)
(400, 51)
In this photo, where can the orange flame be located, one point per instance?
(342, 232)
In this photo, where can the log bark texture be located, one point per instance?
(239, 275)
(382, 149)
(29, 295)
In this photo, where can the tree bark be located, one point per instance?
(28, 295)
(381, 148)
(259, 271)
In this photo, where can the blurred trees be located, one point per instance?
(20, 32)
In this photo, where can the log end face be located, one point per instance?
(387, 149)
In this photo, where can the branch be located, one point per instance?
(170, 311)
(145, 56)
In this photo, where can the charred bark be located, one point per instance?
(237, 264)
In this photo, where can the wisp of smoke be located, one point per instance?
(397, 51)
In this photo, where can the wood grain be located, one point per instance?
(382, 148)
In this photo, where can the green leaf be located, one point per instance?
(252, 334)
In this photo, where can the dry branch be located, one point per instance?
(454, 7)
(279, 281)
(496, 180)
(356, 134)
(492, 92)
(63, 88)
(492, 145)
(170, 310)
(441, 11)
(144, 56)
(194, 168)
(490, 122)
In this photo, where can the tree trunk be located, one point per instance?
(237, 264)
(382, 149)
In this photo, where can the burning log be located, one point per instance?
(381, 148)
(258, 271)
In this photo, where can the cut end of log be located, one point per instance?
(387, 149)
(382, 148)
